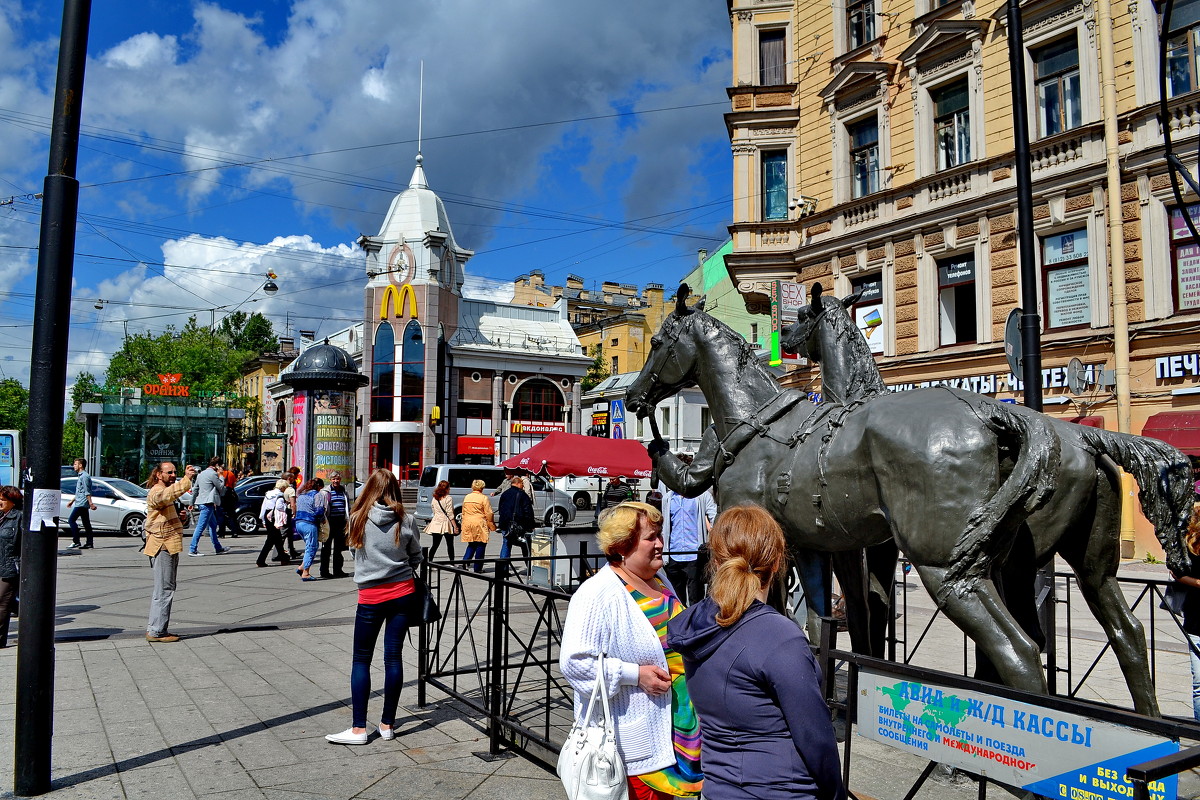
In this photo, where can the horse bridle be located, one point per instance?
(670, 356)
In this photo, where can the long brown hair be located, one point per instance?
(1193, 531)
(443, 489)
(748, 551)
(381, 487)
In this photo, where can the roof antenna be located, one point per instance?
(421, 107)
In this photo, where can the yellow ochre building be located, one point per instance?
(872, 145)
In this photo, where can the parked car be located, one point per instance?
(120, 505)
(554, 507)
(250, 492)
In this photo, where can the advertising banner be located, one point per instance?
(333, 434)
(786, 299)
(1050, 753)
(298, 446)
(1187, 275)
(1067, 296)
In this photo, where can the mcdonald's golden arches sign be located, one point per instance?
(397, 294)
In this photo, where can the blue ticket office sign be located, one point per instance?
(1047, 752)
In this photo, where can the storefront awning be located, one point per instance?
(1180, 429)
(476, 446)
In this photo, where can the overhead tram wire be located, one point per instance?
(338, 177)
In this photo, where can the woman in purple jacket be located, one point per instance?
(764, 728)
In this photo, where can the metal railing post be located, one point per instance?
(496, 658)
(828, 644)
(423, 636)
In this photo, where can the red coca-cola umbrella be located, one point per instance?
(561, 454)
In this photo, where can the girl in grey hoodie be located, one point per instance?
(387, 552)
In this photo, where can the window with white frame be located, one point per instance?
(774, 185)
(860, 22)
(1056, 85)
(772, 57)
(1182, 75)
(864, 156)
(1066, 279)
(952, 123)
(956, 299)
(868, 311)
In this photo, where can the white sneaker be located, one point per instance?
(347, 736)
(387, 734)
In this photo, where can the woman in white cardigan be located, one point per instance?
(622, 612)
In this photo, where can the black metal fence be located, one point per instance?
(496, 651)
(1081, 646)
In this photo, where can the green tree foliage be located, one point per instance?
(14, 405)
(252, 333)
(598, 371)
(83, 391)
(206, 361)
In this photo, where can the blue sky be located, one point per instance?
(225, 139)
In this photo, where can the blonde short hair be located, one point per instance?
(618, 526)
(517, 482)
(477, 485)
(281, 484)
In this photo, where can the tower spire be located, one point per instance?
(418, 180)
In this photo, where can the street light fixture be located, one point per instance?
(270, 287)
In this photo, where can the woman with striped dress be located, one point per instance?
(622, 614)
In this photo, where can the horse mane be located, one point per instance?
(745, 352)
(863, 378)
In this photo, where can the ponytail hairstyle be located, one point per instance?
(1193, 531)
(748, 551)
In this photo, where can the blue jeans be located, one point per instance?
(1194, 646)
(78, 512)
(474, 553)
(395, 615)
(208, 516)
(311, 541)
(506, 547)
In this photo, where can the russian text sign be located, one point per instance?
(1051, 753)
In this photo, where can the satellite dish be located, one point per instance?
(1077, 377)
(1012, 341)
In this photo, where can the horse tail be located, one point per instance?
(1164, 479)
(1037, 449)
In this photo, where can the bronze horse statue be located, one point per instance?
(1079, 519)
(947, 477)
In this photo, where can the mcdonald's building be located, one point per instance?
(454, 378)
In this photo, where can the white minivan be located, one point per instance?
(551, 506)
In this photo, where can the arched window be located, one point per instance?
(383, 375)
(539, 401)
(412, 383)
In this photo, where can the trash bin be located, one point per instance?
(541, 548)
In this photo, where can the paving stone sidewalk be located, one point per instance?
(240, 707)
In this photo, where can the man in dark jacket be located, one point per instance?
(516, 519)
(335, 545)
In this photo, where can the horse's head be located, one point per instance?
(801, 337)
(671, 362)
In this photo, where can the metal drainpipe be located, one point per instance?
(1116, 251)
(1116, 237)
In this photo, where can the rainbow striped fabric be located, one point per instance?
(684, 779)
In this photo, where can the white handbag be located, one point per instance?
(589, 765)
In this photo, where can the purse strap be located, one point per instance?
(599, 688)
